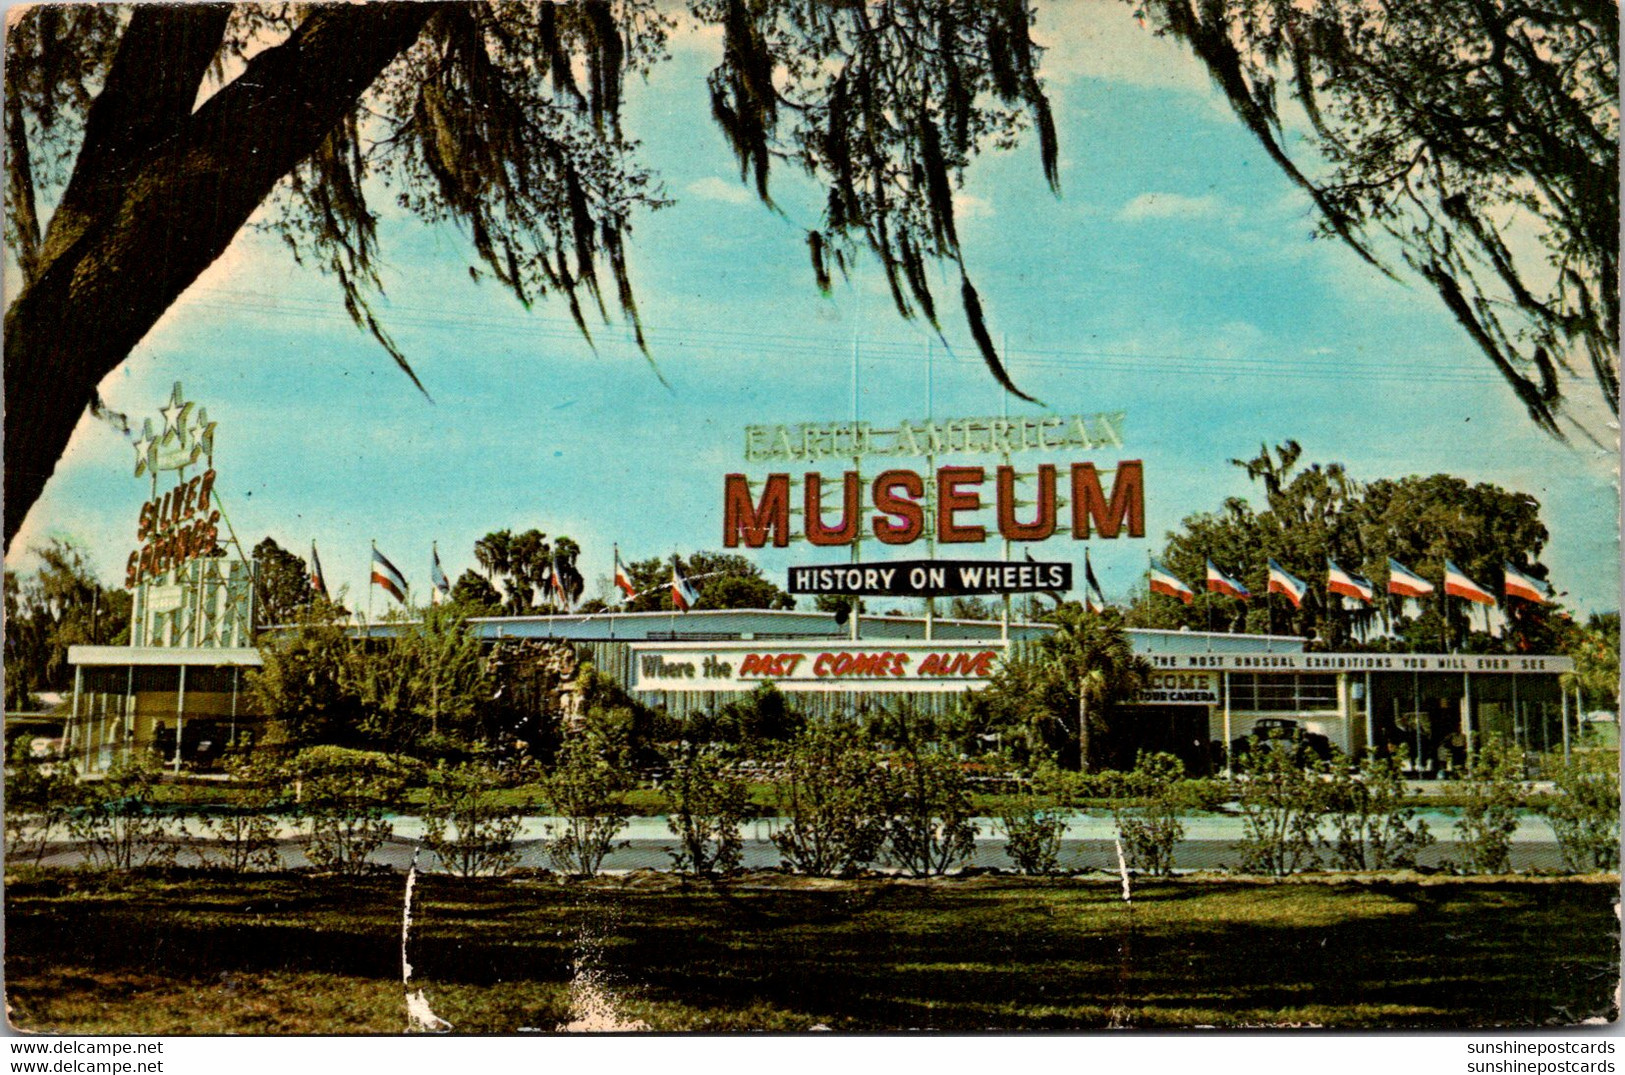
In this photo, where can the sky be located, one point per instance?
(1173, 279)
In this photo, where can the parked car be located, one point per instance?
(1283, 733)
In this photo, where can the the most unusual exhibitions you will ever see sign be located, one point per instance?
(944, 503)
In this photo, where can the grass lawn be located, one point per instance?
(298, 953)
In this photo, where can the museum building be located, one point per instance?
(187, 702)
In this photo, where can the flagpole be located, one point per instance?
(368, 624)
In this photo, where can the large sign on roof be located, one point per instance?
(188, 593)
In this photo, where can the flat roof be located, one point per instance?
(163, 656)
(723, 625)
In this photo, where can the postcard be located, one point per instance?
(900, 515)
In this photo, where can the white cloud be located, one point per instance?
(971, 207)
(1168, 206)
(1104, 41)
(714, 188)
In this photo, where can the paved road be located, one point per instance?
(1087, 844)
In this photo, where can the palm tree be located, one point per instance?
(1088, 659)
(494, 554)
(530, 569)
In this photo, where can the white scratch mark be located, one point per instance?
(420, 1018)
(1122, 871)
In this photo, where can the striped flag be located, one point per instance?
(1287, 584)
(388, 576)
(1219, 582)
(441, 589)
(1164, 583)
(1342, 582)
(1457, 584)
(1405, 582)
(622, 578)
(317, 583)
(1093, 598)
(1520, 585)
(682, 594)
(560, 598)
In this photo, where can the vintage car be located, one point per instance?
(1283, 733)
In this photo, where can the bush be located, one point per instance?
(1032, 827)
(927, 798)
(40, 796)
(1148, 814)
(586, 790)
(1374, 819)
(244, 838)
(466, 827)
(707, 807)
(1282, 804)
(118, 821)
(344, 795)
(1489, 815)
(830, 794)
(1585, 813)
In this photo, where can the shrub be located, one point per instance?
(1032, 827)
(707, 807)
(40, 796)
(465, 825)
(244, 838)
(830, 793)
(1148, 814)
(344, 795)
(1585, 813)
(1490, 813)
(1373, 818)
(1282, 804)
(118, 821)
(586, 790)
(927, 798)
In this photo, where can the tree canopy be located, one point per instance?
(282, 586)
(157, 130)
(1477, 140)
(1319, 512)
(722, 580)
(526, 563)
(60, 605)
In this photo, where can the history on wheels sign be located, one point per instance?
(931, 578)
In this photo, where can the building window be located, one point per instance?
(1279, 693)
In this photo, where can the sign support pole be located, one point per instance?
(1228, 771)
(180, 717)
(1467, 712)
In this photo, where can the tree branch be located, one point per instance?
(184, 200)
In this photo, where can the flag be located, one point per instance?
(1406, 583)
(622, 579)
(682, 594)
(1053, 595)
(1219, 582)
(388, 576)
(1457, 584)
(1520, 585)
(560, 598)
(441, 589)
(1093, 598)
(1287, 584)
(1349, 585)
(317, 583)
(1164, 583)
